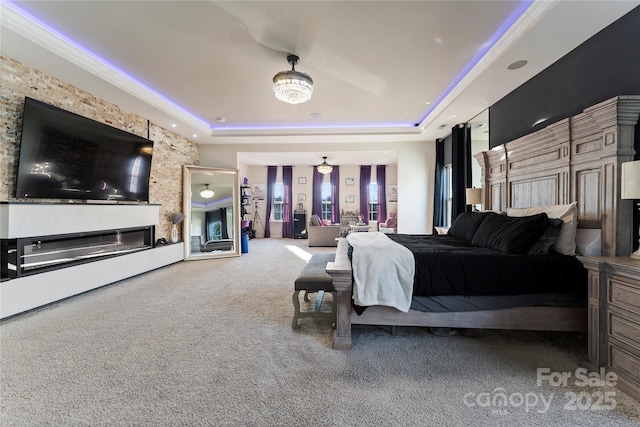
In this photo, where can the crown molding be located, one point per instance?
(23, 24)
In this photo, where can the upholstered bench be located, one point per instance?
(314, 278)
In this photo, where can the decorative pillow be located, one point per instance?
(512, 235)
(566, 242)
(325, 222)
(589, 242)
(466, 225)
(315, 221)
(548, 238)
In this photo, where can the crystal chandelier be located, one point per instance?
(324, 167)
(206, 192)
(292, 86)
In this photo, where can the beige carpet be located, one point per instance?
(210, 343)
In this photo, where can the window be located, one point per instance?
(215, 230)
(373, 202)
(447, 185)
(326, 201)
(278, 202)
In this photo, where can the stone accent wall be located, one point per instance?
(170, 151)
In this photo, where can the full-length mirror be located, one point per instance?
(211, 225)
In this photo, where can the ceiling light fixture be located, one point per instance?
(292, 86)
(324, 167)
(206, 192)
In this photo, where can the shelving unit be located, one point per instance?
(245, 200)
(245, 203)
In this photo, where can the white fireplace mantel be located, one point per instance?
(19, 220)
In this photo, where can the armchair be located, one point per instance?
(390, 226)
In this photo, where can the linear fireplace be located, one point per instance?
(31, 255)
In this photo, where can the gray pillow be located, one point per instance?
(466, 225)
(314, 220)
(511, 235)
(548, 238)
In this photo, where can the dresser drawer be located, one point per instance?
(625, 363)
(625, 330)
(624, 294)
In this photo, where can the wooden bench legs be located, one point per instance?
(315, 312)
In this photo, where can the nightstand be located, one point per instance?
(614, 319)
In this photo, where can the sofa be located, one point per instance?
(322, 235)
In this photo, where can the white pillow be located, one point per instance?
(589, 242)
(566, 243)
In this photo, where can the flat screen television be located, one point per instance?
(67, 156)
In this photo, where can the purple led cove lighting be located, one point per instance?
(102, 61)
(293, 127)
(215, 202)
(496, 36)
(492, 41)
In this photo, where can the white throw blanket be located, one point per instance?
(383, 271)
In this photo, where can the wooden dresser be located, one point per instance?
(614, 319)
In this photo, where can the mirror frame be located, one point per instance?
(186, 202)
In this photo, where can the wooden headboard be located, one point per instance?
(575, 159)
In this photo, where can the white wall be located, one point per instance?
(197, 225)
(414, 171)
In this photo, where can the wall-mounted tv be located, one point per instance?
(67, 156)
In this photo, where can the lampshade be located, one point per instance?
(474, 196)
(206, 192)
(292, 86)
(630, 188)
(324, 167)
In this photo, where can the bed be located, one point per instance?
(217, 245)
(573, 161)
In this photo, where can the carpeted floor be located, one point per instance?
(210, 343)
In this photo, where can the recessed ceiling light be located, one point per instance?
(316, 115)
(516, 65)
(442, 126)
(479, 125)
(428, 103)
(195, 136)
(220, 119)
(173, 125)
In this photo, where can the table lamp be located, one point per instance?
(630, 188)
(474, 197)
